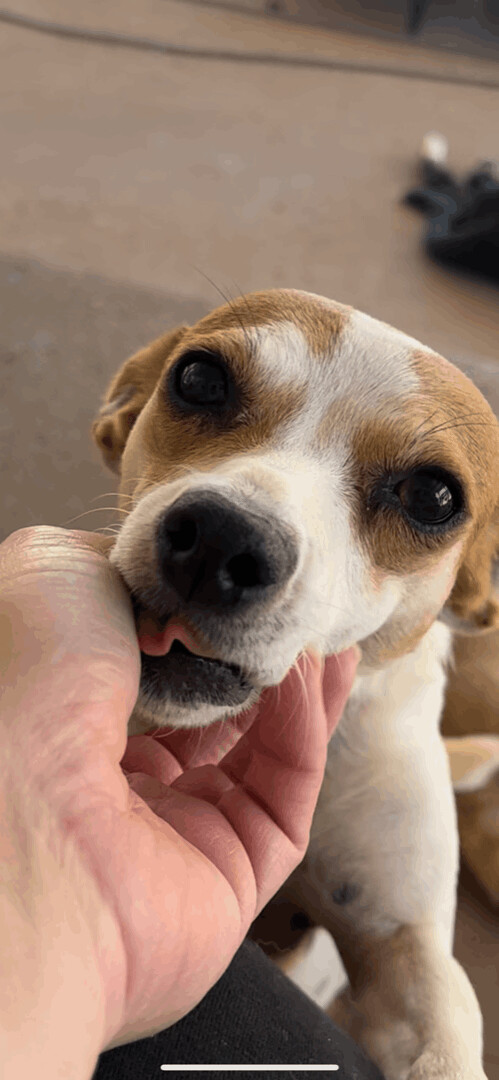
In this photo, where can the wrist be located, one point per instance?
(54, 1011)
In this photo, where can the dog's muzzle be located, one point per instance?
(215, 562)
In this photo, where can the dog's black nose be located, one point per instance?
(212, 553)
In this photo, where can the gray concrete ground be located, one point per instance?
(63, 335)
(127, 175)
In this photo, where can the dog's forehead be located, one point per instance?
(293, 336)
(345, 375)
(301, 339)
(324, 381)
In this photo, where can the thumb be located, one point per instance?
(69, 637)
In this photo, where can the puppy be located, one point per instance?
(295, 474)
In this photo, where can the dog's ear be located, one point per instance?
(127, 394)
(473, 605)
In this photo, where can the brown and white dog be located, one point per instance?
(297, 474)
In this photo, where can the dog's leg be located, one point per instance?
(411, 1006)
(381, 872)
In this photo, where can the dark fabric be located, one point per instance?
(463, 218)
(254, 1015)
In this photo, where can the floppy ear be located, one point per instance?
(473, 605)
(126, 396)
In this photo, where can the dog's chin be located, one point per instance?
(182, 690)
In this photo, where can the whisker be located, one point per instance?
(313, 630)
(425, 420)
(110, 495)
(468, 424)
(114, 530)
(95, 510)
(156, 731)
(314, 599)
(304, 692)
(231, 304)
(248, 340)
(463, 420)
(449, 423)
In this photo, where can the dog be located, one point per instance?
(295, 474)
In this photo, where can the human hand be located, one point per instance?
(156, 868)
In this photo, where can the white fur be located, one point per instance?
(387, 758)
(282, 353)
(363, 365)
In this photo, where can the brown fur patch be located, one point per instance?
(321, 323)
(128, 393)
(447, 423)
(474, 430)
(381, 444)
(194, 441)
(172, 441)
(469, 425)
(390, 446)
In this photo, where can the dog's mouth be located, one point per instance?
(179, 665)
(173, 634)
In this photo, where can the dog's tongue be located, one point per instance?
(156, 642)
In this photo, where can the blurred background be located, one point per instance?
(159, 154)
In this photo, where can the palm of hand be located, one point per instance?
(177, 854)
(198, 851)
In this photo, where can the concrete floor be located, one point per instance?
(130, 178)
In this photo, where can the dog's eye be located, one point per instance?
(200, 379)
(429, 497)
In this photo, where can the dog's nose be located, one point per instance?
(212, 553)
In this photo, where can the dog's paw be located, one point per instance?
(435, 1066)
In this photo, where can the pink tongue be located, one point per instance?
(156, 642)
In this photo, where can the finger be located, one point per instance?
(147, 755)
(206, 746)
(190, 809)
(261, 801)
(70, 641)
(293, 723)
(278, 765)
(337, 679)
(103, 545)
(167, 754)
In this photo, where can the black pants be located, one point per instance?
(254, 1015)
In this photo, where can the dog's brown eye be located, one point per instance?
(428, 498)
(201, 380)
